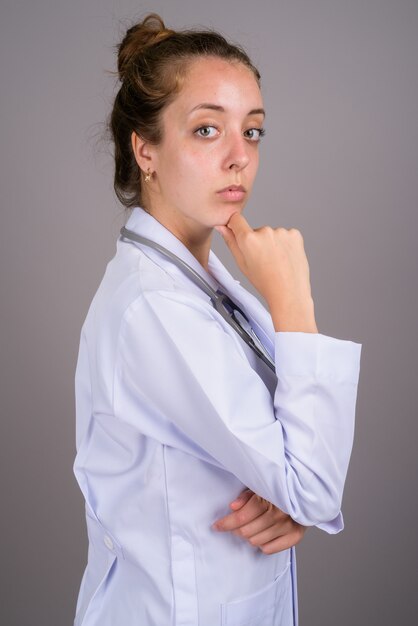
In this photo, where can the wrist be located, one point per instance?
(294, 318)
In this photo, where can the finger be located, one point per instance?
(282, 543)
(247, 513)
(270, 522)
(238, 224)
(236, 504)
(255, 507)
(242, 499)
(270, 533)
(231, 242)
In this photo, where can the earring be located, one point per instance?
(147, 177)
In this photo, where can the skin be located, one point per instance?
(203, 150)
(261, 523)
(189, 168)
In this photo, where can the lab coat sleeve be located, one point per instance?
(182, 379)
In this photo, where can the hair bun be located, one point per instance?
(140, 36)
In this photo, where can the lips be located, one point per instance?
(232, 188)
(232, 193)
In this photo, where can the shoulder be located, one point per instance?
(142, 294)
(134, 277)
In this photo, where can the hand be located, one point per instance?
(261, 523)
(274, 261)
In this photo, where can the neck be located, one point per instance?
(195, 237)
(199, 251)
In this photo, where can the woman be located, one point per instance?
(177, 415)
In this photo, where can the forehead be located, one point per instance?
(231, 85)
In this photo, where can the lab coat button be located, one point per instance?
(108, 542)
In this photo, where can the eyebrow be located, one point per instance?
(217, 107)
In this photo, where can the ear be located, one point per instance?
(143, 152)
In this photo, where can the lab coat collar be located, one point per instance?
(143, 223)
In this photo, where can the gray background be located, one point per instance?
(339, 162)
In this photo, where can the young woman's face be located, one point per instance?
(211, 134)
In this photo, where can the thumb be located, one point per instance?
(231, 242)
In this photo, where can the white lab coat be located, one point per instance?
(175, 416)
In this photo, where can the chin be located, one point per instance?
(221, 215)
(231, 209)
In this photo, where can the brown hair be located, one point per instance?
(152, 62)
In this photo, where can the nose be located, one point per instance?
(237, 154)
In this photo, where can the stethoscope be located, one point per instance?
(230, 311)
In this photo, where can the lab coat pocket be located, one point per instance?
(270, 606)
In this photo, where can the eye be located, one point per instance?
(205, 131)
(255, 133)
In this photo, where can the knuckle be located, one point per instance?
(295, 232)
(301, 532)
(240, 517)
(270, 508)
(243, 533)
(248, 236)
(295, 537)
(264, 503)
(279, 515)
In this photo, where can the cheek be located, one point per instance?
(201, 167)
(253, 164)
(182, 174)
(181, 158)
(173, 169)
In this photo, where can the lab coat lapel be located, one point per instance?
(260, 317)
(148, 226)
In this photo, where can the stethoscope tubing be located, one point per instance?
(218, 299)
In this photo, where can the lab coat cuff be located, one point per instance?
(318, 355)
(333, 527)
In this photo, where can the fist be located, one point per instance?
(273, 259)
